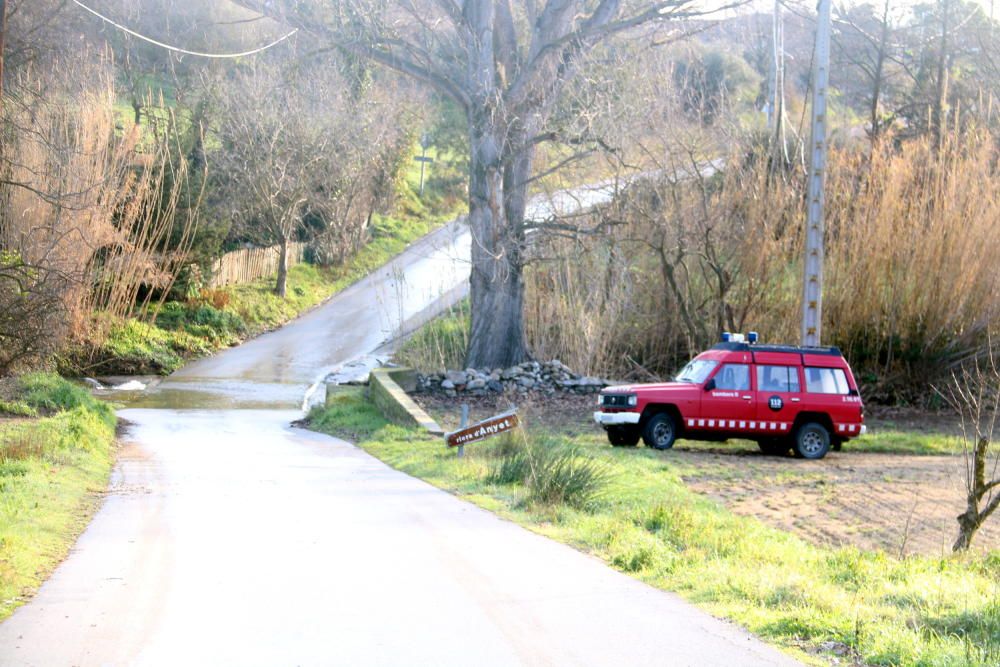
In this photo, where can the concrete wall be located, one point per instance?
(386, 387)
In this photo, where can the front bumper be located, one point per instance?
(616, 418)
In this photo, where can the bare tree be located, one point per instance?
(975, 395)
(506, 64)
(274, 155)
(303, 154)
(867, 46)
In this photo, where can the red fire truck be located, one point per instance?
(784, 397)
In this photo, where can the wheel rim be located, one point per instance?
(662, 433)
(811, 443)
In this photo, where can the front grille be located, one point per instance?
(614, 400)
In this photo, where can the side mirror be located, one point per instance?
(854, 392)
(710, 385)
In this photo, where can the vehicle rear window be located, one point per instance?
(778, 378)
(826, 381)
(733, 376)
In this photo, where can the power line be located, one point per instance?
(177, 49)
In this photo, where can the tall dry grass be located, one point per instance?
(84, 201)
(912, 282)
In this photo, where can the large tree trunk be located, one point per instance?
(497, 199)
(280, 288)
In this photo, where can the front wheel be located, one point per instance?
(660, 431)
(623, 436)
(812, 441)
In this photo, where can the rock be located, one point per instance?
(546, 378)
(456, 377)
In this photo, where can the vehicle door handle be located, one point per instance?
(748, 398)
(796, 400)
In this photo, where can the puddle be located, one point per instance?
(194, 394)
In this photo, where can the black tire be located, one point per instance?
(812, 441)
(623, 436)
(660, 431)
(774, 446)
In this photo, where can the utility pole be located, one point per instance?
(776, 119)
(812, 283)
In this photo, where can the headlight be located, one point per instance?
(633, 401)
(600, 399)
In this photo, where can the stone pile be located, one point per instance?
(546, 377)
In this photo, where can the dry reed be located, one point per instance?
(912, 283)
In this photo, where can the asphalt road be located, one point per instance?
(230, 538)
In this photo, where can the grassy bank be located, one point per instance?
(223, 317)
(639, 517)
(56, 452)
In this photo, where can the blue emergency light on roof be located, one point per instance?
(752, 337)
(726, 336)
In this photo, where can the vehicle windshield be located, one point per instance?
(696, 371)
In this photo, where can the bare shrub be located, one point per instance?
(974, 393)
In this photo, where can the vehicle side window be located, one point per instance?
(778, 378)
(733, 376)
(826, 381)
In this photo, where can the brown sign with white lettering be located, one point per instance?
(483, 430)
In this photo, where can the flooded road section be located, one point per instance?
(229, 537)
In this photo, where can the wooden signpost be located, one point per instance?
(482, 430)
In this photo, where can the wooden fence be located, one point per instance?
(249, 264)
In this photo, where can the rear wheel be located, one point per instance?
(774, 446)
(812, 441)
(623, 436)
(660, 431)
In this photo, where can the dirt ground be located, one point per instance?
(901, 503)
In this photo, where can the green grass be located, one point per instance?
(52, 473)
(646, 522)
(889, 440)
(440, 344)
